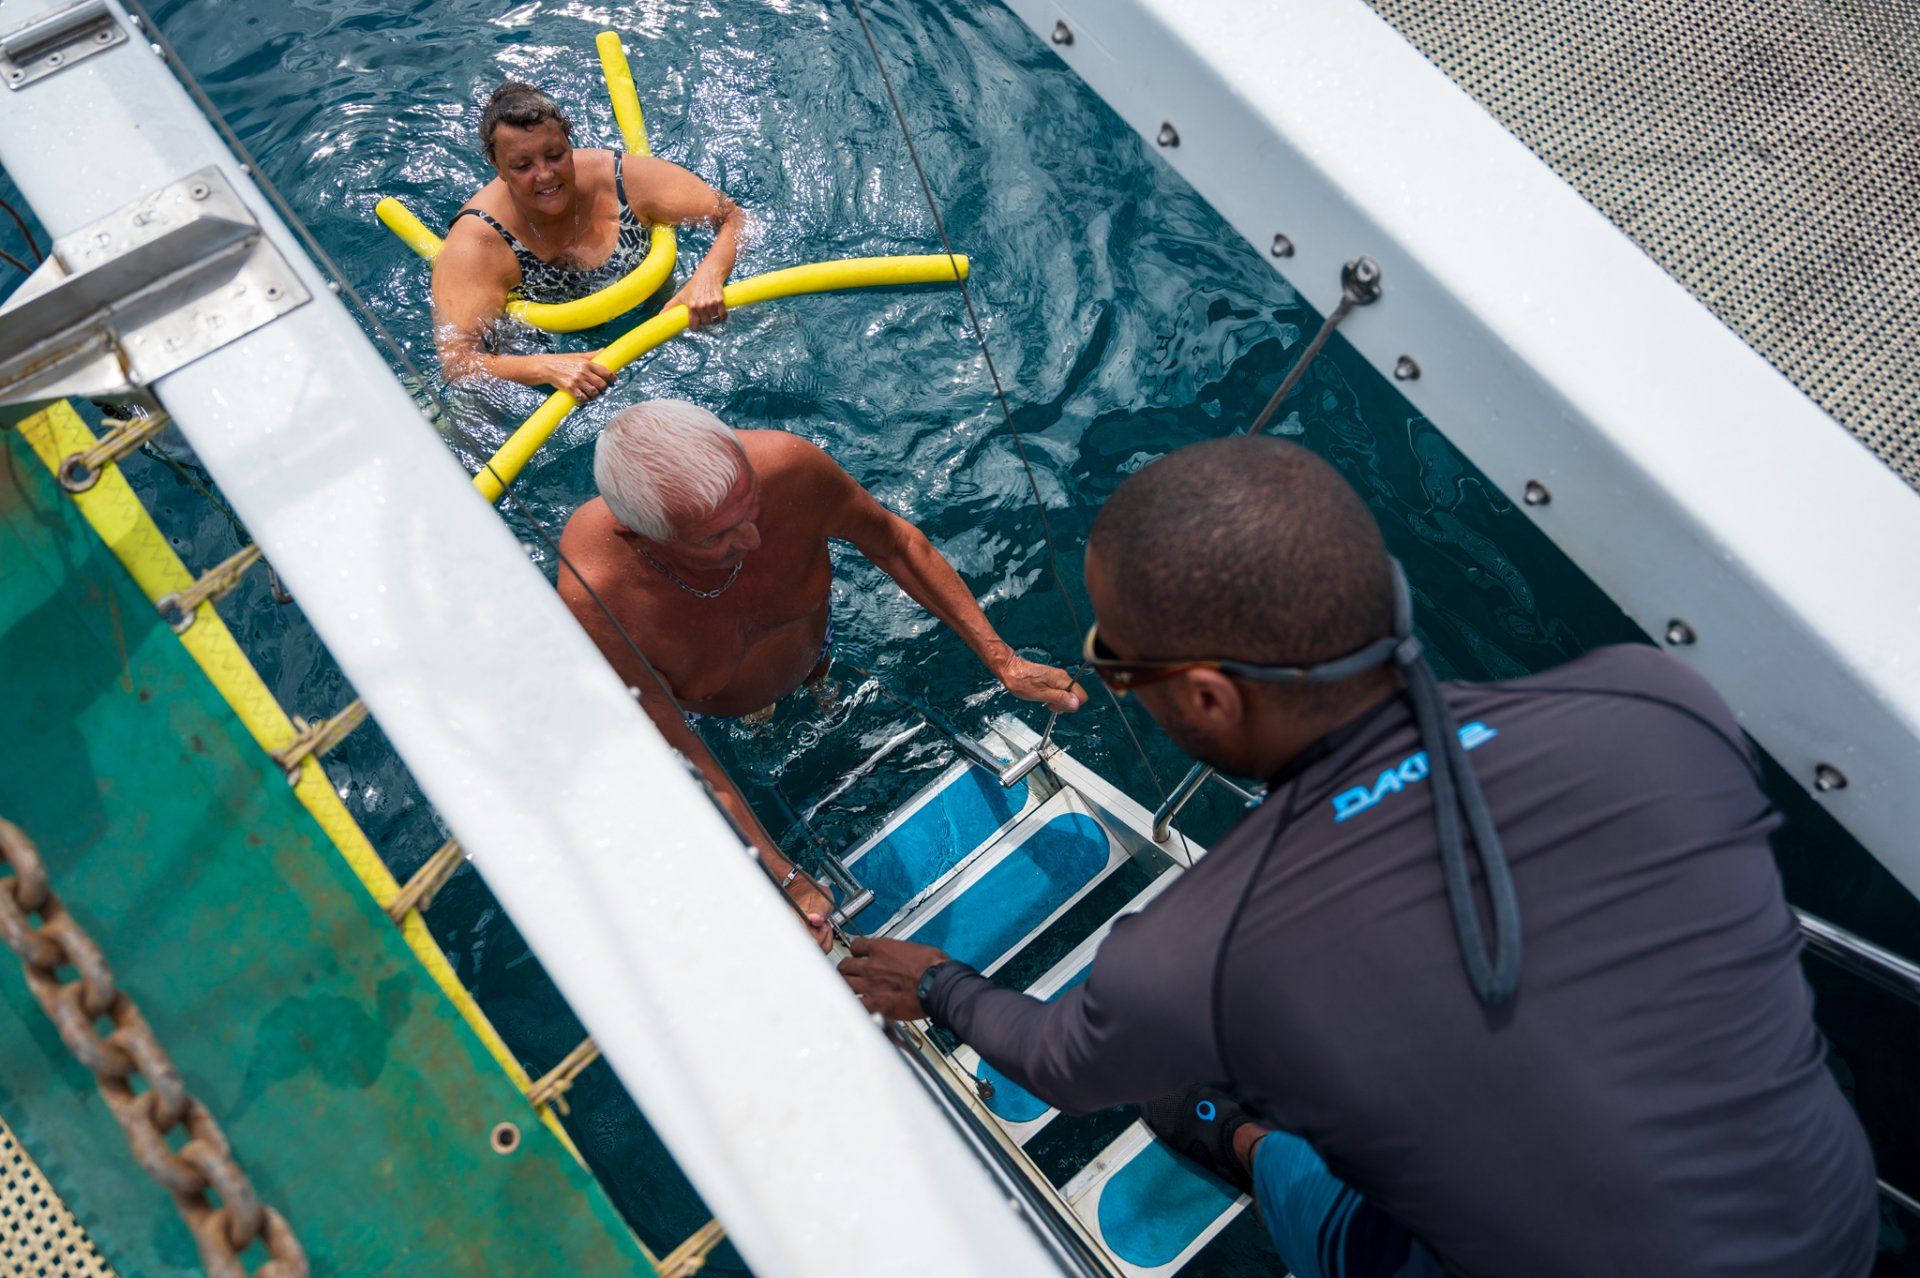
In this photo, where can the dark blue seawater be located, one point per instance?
(1126, 319)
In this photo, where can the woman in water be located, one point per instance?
(557, 224)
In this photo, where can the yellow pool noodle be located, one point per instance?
(816, 277)
(620, 91)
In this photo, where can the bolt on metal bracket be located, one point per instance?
(148, 289)
(1360, 282)
(53, 41)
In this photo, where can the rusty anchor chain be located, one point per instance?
(211, 1191)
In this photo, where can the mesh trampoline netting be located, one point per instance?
(1767, 155)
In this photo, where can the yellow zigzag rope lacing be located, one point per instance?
(114, 512)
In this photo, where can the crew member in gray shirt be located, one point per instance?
(1499, 981)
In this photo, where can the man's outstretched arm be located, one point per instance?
(903, 552)
(1083, 1051)
(805, 893)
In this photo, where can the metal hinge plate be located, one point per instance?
(55, 40)
(143, 291)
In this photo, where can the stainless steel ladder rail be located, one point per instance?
(856, 895)
(1870, 962)
(1890, 971)
(1860, 956)
(1009, 772)
(1189, 786)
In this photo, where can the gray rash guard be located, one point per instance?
(1654, 1100)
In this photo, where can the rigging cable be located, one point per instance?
(25, 234)
(1359, 286)
(1006, 412)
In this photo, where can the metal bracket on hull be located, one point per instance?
(55, 40)
(145, 290)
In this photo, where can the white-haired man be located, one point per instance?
(709, 546)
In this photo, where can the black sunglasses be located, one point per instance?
(1123, 675)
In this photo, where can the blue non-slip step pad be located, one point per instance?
(961, 816)
(1010, 1102)
(1018, 894)
(1158, 1205)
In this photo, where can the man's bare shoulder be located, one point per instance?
(783, 453)
(800, 476)
(591, 543)
(600, 562)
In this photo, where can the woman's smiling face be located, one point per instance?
(536, 164)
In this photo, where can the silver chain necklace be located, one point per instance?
(715, 593)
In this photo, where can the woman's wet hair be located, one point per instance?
(522, 106)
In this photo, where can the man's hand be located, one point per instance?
(816, 907)
(886, 975)
(1051, 686)
(576, 374)
(705, 300)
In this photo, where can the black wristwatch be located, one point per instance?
(924, 990)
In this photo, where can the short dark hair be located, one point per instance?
(1247, 547)
(522, 106)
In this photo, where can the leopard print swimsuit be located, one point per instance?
(542, 281)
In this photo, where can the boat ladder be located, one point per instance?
(1022, 881)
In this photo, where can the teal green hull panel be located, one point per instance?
(354, 1096)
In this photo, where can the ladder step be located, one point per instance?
(1004, 881)
(1018, 886)
(961, 812)
(1019, 1111)
(1152, 1209)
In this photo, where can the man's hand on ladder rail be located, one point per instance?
(1051, 686)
